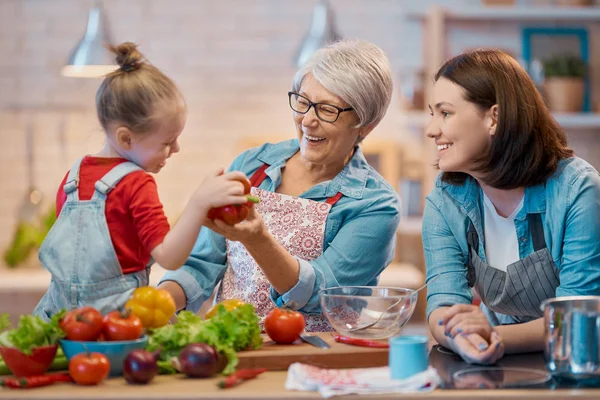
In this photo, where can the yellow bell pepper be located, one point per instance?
(229, 304)
(153, 306)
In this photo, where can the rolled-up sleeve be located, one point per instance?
(202, 271)
(363, 246)
(443, 255)
(298, 296)
(580, 267)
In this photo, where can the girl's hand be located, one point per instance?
(476, 350)
(253, 228)
(219, 189)
(463, 319)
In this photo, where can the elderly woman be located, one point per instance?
(325, 218)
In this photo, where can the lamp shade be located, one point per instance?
(90, 59)
(322, 32)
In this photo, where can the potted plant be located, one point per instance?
(564, 83)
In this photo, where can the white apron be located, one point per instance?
(299, 226)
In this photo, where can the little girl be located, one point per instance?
(111, 224)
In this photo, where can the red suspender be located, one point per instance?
(260, 175)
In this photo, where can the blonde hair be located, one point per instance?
(133, 94)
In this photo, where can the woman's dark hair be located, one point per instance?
(528, 142)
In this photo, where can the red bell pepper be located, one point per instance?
(236, 213)
(233, 214)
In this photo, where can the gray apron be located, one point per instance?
(514, 296)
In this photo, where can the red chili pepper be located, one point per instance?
(360, 342)
(35, 381)
(240, 376)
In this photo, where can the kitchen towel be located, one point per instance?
(335, 382)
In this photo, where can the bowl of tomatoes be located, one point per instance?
(115, 335)
(116, 351)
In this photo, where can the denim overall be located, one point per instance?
(79, 253)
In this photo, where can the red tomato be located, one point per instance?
(284, 326)
(122, 325)
(82, 324)
(89, 368)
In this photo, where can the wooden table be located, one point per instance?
(269, 385)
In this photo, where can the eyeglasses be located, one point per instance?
(325, 112)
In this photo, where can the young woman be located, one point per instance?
(514, 215)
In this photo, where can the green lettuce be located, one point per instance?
(227, 331)
(31, 332)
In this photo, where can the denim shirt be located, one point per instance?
(360, 234)
(569, 204)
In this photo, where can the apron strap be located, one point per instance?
(537, 231)
(259, 175)
(473, 243)
(472, 237)
(334, 199)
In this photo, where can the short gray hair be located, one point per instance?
(356, 71)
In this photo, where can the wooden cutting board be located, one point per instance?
(278, 357)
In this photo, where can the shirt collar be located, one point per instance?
(351, 181)
(469, 193)
(466, 194)
(535, 199)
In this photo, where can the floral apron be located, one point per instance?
(298, 225)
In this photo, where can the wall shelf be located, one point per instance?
(510, 13)
(578, 120)
(416, 119)
(436, 22)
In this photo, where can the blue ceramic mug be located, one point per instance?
(408, 355)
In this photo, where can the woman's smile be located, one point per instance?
(443, 147)
(314, 140)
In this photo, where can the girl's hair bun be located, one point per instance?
(127, 56)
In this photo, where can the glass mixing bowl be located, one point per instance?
(368, 312)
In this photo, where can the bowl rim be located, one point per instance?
(410, 292)
(48, 346)
(142, 339)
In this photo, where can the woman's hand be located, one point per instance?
(471, 334)
(465, 319)
(476, 350)
(253, 228)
